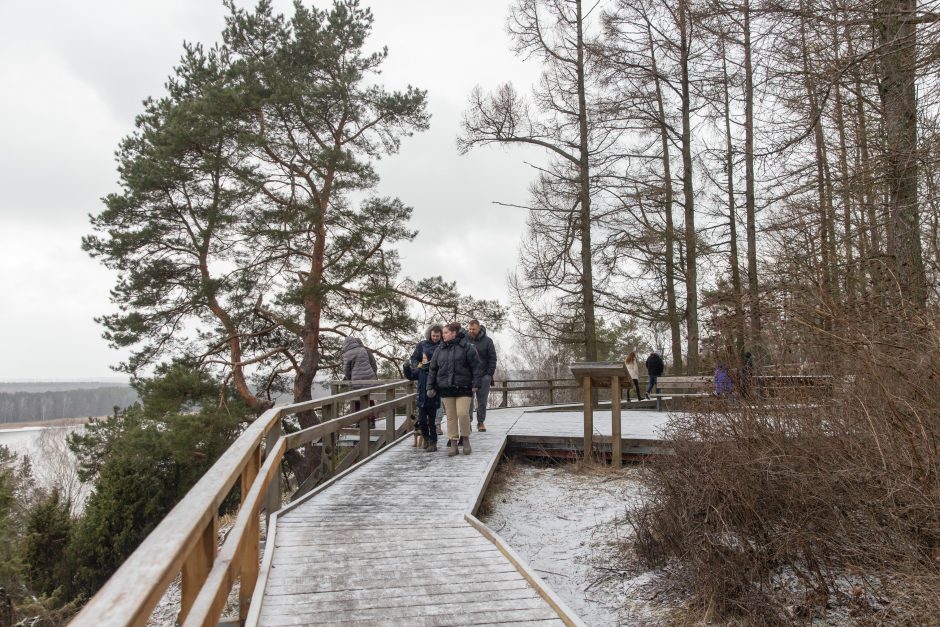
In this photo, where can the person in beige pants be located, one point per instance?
(455, 374)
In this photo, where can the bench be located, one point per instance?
(694, 386)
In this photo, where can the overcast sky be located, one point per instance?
(72, 77)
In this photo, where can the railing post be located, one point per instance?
(328, 448)
(588, 420)
(364, 431)
(551, 391)
(272, 500)
(390, 418)
(616, 452)
(505, 394)
(197, 565)
(410, 415)
(248, 576)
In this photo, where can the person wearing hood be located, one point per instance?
(421, 365)
(358, 365)
(654, 368)
(724, 387)
(455, 374)
(487, 351)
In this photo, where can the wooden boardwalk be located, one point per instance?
(394, 542)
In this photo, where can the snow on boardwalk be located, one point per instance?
(388, 544)
(634, 424)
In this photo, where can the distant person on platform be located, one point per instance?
(654, 368)
(421, 364)
(358, 365)
(724, 387)
(487, 352)
(455, 375)
(747, 374)
(633, 370)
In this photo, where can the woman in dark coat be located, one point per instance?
(427, 407)
(455, 374)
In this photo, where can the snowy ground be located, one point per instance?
(564, 522)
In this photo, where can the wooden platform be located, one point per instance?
(640, 431)
(394, 542)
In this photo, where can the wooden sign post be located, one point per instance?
(602, 374)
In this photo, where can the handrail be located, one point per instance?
(185, 540)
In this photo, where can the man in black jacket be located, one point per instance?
(487, 352)
(654, 368)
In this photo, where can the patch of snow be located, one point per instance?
(568, 526)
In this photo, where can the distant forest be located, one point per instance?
(21, 406)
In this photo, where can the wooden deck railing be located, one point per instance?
(186, 540)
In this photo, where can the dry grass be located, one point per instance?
(774, 511)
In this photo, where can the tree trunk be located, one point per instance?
(749, 201)
(691, 274)
(671, 306)
(587, 272)
(824, 271)
(897, 58)
(736, 290)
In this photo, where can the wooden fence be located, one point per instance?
(186, 540)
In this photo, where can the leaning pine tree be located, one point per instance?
(246, 236)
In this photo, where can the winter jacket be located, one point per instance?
(455, 368)
(425, 347)
(486, 350)
(633, 368)
(723, 384)
(655, 365)
(358, 363)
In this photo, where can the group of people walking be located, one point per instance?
(654, 368)
(453, 367)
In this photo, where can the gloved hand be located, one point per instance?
(431, 393)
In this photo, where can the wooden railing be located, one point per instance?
(186, 540)
(505, 386)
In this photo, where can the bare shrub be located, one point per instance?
(774, 508)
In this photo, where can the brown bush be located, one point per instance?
(773, 508)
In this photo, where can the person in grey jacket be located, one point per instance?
(358, 365)
(487, 350)
(455, 374)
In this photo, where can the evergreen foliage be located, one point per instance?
(143, 461)
(48, 528)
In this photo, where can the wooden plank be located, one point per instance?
(368, 581)
(196, 567)
(248, 567)
(488, 609)
(356, 601)
(257, 597)
(272, 501)
(455, 617)
(588, 420)
(390, 418)
(481, 582)
(616, 453)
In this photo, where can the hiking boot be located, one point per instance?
(481, 427)
(465, 442)
(427, 444)
(451, 448)
(432, 447)
(440, 430)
